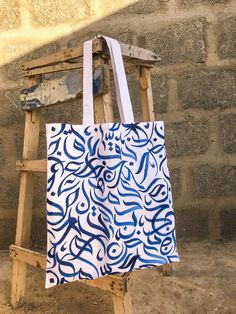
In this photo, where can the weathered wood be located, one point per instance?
(103, 105)
(133, 53)
(131, 278)
(27, 256)
(61, 56)
(63, 66)
(108, 108)
(24, 217)
(130, 67)
(130, 53)
(146, 95)
(69, 86)
(32, 165)
(123, 305)
(114, 284)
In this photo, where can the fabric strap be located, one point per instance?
(121, 86)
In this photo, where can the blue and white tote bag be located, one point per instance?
(109, 202)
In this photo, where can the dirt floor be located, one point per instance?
(203, 282)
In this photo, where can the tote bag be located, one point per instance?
(109, 202)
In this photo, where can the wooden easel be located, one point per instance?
(43, 92)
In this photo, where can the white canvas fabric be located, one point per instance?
(109, 202)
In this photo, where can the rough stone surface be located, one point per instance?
(145, 7)
(189, 3)
(39, 232)
(207, 89)
(227, 38)
(80, 38)
(7, 233)
(228, 223)
(42, 153)
(18, 51)
(18, 138)
(160, 93)
(125, 7)
(9, 192)
(125, 36)
(40, 190)
(67, 112)
(177, 43)
(10, 108)
(2, 154)
(9, 14)
(186, 138)
(59, 11)
(175, 178)
(228, 133)
(191, 224)
(209, 181)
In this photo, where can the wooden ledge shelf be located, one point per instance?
(116, 284)
(32, 165)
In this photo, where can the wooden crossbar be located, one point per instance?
(115, 284)
(129, 53)
(32, 165)
(69, 86)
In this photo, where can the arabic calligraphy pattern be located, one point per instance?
(109, 202)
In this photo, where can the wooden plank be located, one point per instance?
(103, 105)
(27, 256)
(123, 304)
(61, 56)
(98, 101)
(131, 279)
(63, 66)
(130, 53)
(146, 94)
(114, 284)
(32, 165)
(69, 86)
(24, 217)
(108, 109)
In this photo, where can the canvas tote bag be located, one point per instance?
(109, 202)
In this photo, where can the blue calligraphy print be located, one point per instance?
(109, 202)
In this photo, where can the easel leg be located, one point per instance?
(23, 229)
(123, 305)
(146, 94)
(167, 269)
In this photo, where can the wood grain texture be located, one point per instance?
(130, 53)
(24, 216)
(69, 86)
(114, 284)
(146, 94)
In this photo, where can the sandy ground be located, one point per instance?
(203, 282)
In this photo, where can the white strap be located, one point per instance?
(122, 92)
(88, 111)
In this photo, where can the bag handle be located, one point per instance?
(121, 86)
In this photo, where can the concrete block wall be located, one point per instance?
(194, 89)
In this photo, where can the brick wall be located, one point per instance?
(194, 93)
